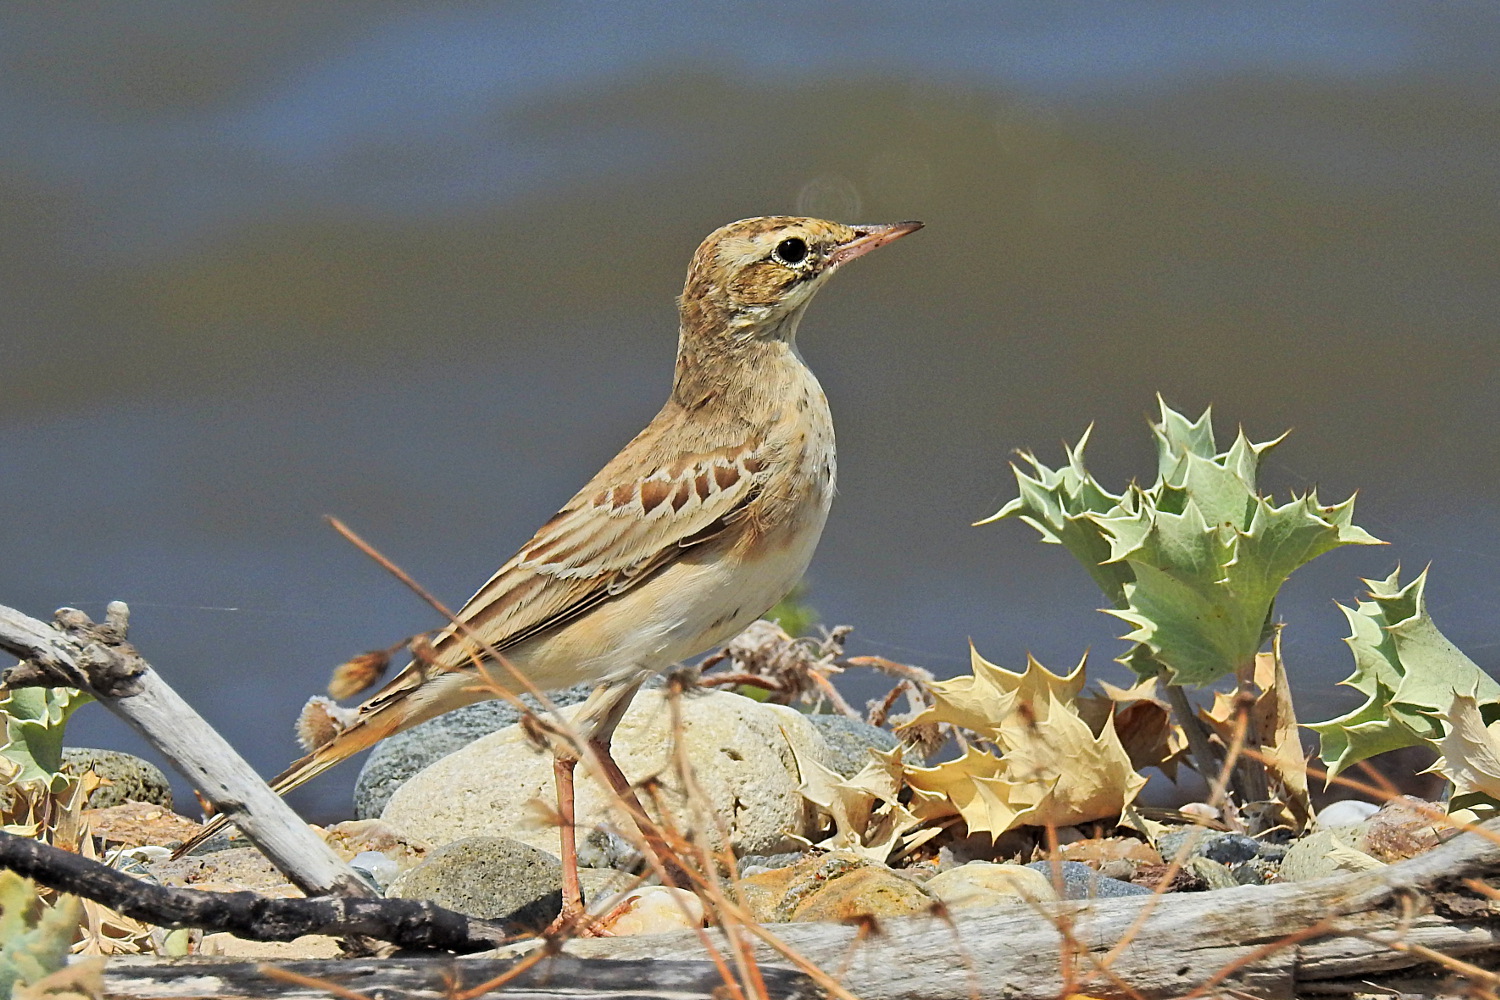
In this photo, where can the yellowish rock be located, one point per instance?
(869, 891)
(837, 886)
(983, 883)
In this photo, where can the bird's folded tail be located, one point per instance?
(389, 711)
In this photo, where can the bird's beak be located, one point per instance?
(868, 238)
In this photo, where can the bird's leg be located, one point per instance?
(563, 763)
(597, 722)
(672, 873)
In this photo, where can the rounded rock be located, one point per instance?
(1079, 881)
(491, 877)
(851, 740)
(1323, 854)
(395, 759)
(741, 752)
(130, 778)
(984, 883)
(1344, 812)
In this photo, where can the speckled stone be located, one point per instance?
(851, 740)
(398, 757)
(131, 778)
(490, 877)
(831, 887)
(1211, 873)
(1079, 881)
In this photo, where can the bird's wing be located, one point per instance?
(610, 537)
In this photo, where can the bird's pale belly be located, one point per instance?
(691, 606)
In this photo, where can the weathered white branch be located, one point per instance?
(76, 652)
(1017, 952)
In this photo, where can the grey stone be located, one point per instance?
(131, 778)
(397, 758)
(1228, 848)
(1272, 852)
(851, 740)
(599, 884)
(1256, 871)
(1082, 882)
(1211, 873)
(491, 877)
(606, 849)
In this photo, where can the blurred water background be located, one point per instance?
(413, 265)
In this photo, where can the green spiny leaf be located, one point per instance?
(32, 721)
(1177, 436)
(1064, 505)
(1408, 671)
(1194, 563)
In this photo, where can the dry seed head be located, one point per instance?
(358, 673)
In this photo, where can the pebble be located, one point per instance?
(1211, 873)
(1322, 854)
(1257, 871)
(1098, 850)
(743, 757)
(1229, 848)
(1199, 810)
(1079, 881)
(379, 869)
(1403, 828)
(1345, 812)
(984, 883)
(831, 887)
(133, 824)
(652, 909)
(1226, 848)
(851, 740)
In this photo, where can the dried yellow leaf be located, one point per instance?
(990, 694)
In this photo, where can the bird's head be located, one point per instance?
(752, 279)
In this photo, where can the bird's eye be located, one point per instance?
(791, 251)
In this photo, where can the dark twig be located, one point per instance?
(407, 923)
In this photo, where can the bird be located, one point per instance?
(700, 524)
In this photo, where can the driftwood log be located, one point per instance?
(557, 977)
(98, 658)
(1330, 937)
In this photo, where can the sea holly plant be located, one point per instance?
(1194, 562)
(37, 798)
(32, 721)
(1410, 675)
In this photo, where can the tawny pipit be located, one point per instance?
(698, 526)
